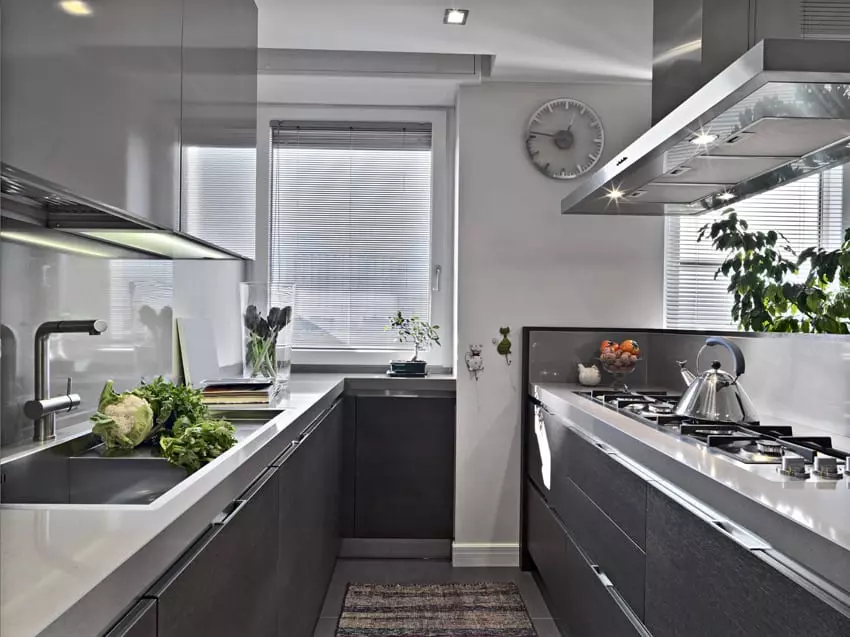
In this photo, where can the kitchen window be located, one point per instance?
(358, 224)
(808, 212)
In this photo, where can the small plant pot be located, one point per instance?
(408, 369)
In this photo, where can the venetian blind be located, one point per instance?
(220, 191)
(825, 19)
(351, 227)
(808, 212)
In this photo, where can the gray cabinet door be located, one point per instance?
(581, 603)
(139, 622)
(309, 537)
(603, 542)
(225, 585)
(405, 467)
(92, 103)
(620, 493)
(702, 583)
(219, 134)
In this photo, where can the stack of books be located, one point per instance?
(237, 392)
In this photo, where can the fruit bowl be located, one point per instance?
(619, 360)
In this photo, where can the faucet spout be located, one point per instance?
(45, 424)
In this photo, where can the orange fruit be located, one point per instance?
(629, 346)
(606, 345)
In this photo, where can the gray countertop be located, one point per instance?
(70, 570)
(807, 520)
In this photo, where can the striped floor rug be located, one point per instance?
(434, 610)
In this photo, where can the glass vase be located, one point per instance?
(268, 314)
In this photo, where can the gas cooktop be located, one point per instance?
(795, 456)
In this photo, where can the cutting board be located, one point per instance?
(196, 338)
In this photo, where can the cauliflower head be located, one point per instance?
(124, 421)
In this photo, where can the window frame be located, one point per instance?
(442, 222)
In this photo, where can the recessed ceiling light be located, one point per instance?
(456, 17)
(704, 139)
(75, 7)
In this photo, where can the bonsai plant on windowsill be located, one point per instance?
(413, 330)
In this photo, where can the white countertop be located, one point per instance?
(65, 561)
(790, 514)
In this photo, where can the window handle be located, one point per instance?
(435, 283)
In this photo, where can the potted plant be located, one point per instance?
(412, 330)
(764, 279)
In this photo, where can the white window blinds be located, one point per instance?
(220, 195)
(351, 227)
(808, 212)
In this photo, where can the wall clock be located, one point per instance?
(564, 138)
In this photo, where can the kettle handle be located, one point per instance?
(732, 348)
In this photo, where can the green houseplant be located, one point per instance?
(764, 278)
(414, 330)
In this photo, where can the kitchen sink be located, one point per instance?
(82, 471)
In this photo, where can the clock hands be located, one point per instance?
(534, 132)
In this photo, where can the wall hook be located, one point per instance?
(474, 360)
(504, 345)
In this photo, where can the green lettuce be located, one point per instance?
(124, 421)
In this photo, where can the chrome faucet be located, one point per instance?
(42, 409)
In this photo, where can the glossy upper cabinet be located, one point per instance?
(220, 123)
(91, 99)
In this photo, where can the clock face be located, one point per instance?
(564, 138)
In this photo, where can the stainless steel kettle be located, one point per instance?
(715, 395)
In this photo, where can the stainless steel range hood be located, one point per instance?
(33, 202)
(777, 114)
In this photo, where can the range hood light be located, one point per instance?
(615, 194)
(163, 244)
(704, 139)
(76, 7)
(53, 243)
(726, 196)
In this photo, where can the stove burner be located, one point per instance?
(769, 447)
(750, 443)
(661, 408)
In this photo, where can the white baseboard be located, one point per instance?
(492, 555)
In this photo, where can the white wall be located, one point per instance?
(520, 262)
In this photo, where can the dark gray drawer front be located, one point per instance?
(581, 601)
(700, 583)
(620, 493)
(139, 622)
(547, 547)
(602, 541)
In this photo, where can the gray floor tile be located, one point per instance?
(335, 596)
(533, 598)
(546, 628)
(326, 627)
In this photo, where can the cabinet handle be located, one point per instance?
(602, 576)
(740, 535)
(229, 513)
(286, 454)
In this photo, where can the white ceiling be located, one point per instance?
(533, 40)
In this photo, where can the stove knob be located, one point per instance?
(794, 466)
(826, 467)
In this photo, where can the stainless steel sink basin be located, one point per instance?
(81, 470)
